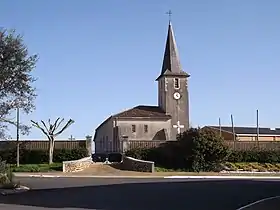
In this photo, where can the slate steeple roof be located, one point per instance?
(171, 63)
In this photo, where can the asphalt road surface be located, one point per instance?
(144, 194)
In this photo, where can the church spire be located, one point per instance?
(171, 59)
(171, 62)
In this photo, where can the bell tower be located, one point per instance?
(173, 94)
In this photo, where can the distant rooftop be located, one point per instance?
(249, 130)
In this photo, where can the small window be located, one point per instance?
(146, 128)
(133, 128)
(176, 83)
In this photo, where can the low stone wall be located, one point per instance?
(76, 165)
(132, 164)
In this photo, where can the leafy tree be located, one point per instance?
(203, 149)
(51, 131)
(16, 90)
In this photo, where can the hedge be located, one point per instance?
(165, 156)
(42, 156)
(169, 158)
(255, 155)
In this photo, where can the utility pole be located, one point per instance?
(258, 129)
(17, 136)
(233, 132)
(220, 127)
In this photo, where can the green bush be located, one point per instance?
(165, 156)
(3, 166)
(42, 156)
(198, 153)
(6, 175)
(203, 149)
(195, 150)
(255, 155)
(139, 153)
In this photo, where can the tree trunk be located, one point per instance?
(51, 147)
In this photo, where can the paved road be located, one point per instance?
(136, 194)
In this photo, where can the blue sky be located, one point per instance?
(100, 57)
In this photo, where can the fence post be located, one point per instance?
(89, 144)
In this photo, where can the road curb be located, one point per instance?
(88, 176)
(149, 177)
(222, 177)
(20, 189)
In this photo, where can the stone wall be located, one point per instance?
(132, 164)
(76, 165)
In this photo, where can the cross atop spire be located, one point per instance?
(169, 13)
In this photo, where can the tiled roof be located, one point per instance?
(250, 130)
(139, 111)
(143, 111)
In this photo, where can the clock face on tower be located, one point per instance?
(176, 96)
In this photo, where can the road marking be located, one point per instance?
(257, 202)
(40, 176)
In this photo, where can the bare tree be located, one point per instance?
(16, 90)
(51, 131)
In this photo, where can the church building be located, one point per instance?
(162, 122)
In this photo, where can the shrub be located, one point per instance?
(6, 175)
(3, 180)
(139, 153)
(42, 156)
(195, 150)
(203, 149)
(255, 155)
(3, 166)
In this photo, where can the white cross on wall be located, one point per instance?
(178, 126)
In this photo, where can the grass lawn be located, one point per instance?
(45, 167)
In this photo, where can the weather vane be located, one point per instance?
(169, 13)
